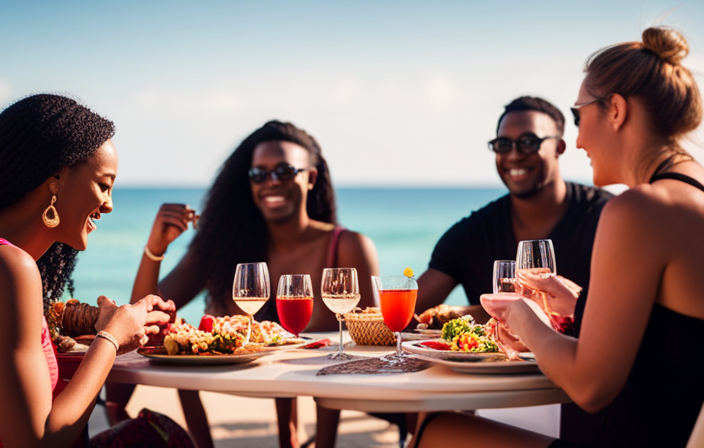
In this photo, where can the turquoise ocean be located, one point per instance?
(404, 223)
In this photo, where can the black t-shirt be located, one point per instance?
(467, 251)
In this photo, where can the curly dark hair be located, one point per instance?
(232, 229)
(40, 135)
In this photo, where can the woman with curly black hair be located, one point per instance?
(59, 167)
(272, 201)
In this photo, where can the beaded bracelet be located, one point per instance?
(105, 335)
(151, 256)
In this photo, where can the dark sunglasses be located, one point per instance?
(527, 144)
(575, 110)
(282, 172)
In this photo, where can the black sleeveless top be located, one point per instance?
(663, 395)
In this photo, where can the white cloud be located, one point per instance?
(440, 93)
(346, 91)
(147, 98)
(220, 101)
(214, 101)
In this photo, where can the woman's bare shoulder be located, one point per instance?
(355, 247)
(21, 281)
(16, 265)
(639, 201)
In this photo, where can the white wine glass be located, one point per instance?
(251, 290)
(537, 257)
(504, 276)
(340, 291)
(504, 279)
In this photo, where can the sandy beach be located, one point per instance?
(250, 422)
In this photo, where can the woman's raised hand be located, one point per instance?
(130, 325)
(559, 294)
(170, 222)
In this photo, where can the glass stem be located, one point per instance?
(399, 352)
(342, 345)
(249, 329)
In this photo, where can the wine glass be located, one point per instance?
(294, 301)
(504, 284)
(397, 299)
(340, 291)
(251, 290)
(536, 257)
(504, 276)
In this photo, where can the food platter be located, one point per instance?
(241, 358)
(418, 349)
(468, 362)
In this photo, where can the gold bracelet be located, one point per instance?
(105, 335)
(151, 256)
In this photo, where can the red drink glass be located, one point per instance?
(397, 299)
(294, 302)
(397, 307)
(294, 312)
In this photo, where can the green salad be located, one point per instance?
(465, 335)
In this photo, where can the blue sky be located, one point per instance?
(398, 93)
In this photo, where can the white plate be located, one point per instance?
(467, 362)
(415, 347)
(486, 365)
(207, 360)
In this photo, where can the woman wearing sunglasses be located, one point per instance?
(272, 201)
(638, 358)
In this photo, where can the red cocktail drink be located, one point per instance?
(294, 312)
(397, 298)
(397, 307)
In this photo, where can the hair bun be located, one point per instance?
(668, 44)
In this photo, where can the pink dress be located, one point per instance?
(47, 346)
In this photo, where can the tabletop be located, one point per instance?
(290, 373)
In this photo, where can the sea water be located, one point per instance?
(404, 223)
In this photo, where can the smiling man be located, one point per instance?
(540, 204)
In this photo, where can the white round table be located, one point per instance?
(293, 373)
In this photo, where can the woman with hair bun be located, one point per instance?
(638, 358)
(56, 179)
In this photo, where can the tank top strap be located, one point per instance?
(334, 243)
(678, 176)
(4, 242)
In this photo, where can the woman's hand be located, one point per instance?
(170, 222)
(130, 325)
(557, 294)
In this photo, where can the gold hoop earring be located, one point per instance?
(54, 220)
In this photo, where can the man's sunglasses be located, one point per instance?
(527, 144)
(282, 172)
(576, 107)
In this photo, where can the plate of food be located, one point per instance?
(218, 340)
(467, 346)
(159, 354)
